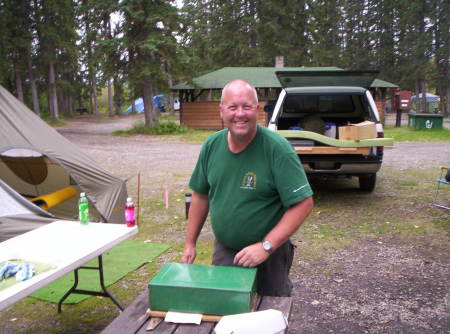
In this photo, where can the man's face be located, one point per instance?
(239, 111)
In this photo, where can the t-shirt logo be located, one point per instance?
(249, 181)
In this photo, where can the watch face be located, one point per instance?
(267, 246)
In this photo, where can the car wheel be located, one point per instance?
(367, 182)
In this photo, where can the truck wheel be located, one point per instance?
(367, 182)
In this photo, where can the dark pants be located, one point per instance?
(272, 278)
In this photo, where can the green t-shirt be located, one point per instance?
(248, 191)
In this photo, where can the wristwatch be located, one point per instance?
(267, 246)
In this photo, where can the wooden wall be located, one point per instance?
(380, 107)
(206, 115)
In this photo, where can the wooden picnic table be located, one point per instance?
(135, 319)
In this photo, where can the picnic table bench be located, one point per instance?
(135, 319)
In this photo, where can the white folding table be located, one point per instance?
(66, 245)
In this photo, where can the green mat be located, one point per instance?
(117, 262)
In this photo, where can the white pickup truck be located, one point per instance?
(309, 111)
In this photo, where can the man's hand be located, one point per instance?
(251, 256)
(189, 254)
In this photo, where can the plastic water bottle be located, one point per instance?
(129, 213)
(83, 209)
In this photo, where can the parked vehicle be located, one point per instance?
(309, 111)
(176, 104)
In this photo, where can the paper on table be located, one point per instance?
(261, 322)
(183, 318)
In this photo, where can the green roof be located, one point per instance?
(383, 84)
(260, 77)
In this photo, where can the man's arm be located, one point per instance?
(198, 211)
(254, 254)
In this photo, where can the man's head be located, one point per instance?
(239, 110)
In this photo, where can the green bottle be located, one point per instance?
(83, 209)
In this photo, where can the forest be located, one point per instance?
(57, 56)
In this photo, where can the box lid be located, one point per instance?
(207, 277)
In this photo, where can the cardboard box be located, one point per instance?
(202, 289)
(359, 131)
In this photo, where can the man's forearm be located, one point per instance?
(254, 254)
(290, 222)
(198, 211)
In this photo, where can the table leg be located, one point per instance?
(103, 293)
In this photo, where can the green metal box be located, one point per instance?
(425, 121)
(202, 289)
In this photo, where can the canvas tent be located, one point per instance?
(138, 106)
(432, 101)
(159, 101)
(36, 160)
(430, 97)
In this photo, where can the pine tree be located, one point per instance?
(149, 41)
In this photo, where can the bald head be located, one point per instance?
(238, 84)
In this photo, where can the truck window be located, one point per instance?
(306, 104)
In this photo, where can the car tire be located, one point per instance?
(367, 182)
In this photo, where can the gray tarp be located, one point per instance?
(17, 215)
(14, 204)
(20, 128)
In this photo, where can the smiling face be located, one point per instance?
(239, 111)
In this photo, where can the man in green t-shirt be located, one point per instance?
(251, 181)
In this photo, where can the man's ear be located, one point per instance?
(220, 111)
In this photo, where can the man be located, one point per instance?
(252, 182)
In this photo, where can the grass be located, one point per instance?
(169, 117)
(399, 209)
(405, 133)
(167, 131)
(341, 218)
(162, 128)
(55, 124)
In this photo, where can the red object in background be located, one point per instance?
(403, 100)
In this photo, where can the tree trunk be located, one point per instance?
(70, 104)
(117, 95)
(34, 92)
(110, 99)
(94, 95)
(149, 112)
(53, 100)
(418, 96)
(424, 96)
(19, 88)
(171, 99)
(61, 101)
